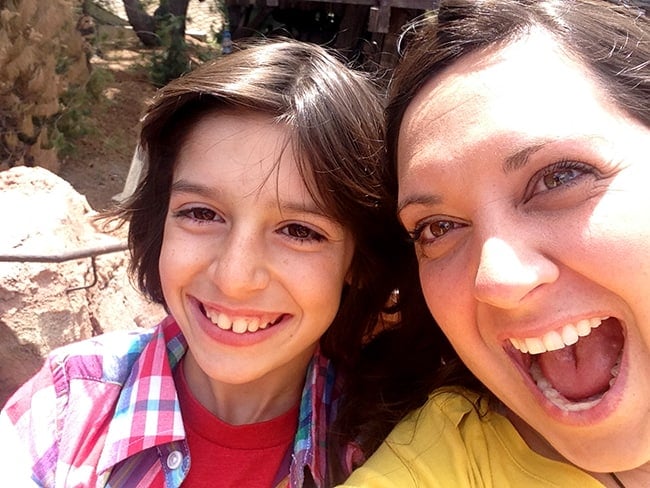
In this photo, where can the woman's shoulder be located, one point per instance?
(458, 439)
(426, 448)
(447, 407)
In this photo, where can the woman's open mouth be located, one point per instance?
(576, 365)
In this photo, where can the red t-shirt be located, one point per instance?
(224, 455)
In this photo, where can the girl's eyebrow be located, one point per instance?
(303, 207)
(185, 186)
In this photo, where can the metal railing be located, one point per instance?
(89, 252)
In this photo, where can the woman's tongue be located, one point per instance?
(585, 368)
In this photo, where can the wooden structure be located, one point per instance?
(366, 31)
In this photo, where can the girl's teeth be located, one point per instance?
(223, 321)
(554, 340)
(238, 326)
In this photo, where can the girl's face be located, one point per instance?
(251, 269)
(527, 192)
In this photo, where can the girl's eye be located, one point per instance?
(199, 213)
(429, 231)
(564, 173)
(302, 233)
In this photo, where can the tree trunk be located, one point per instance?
(146, 26)
(143, 24)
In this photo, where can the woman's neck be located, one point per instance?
(636, 478)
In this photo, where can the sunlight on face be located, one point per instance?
(251, 268)
(525, 190)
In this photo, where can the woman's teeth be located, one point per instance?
(239, 325)
(558, 399)
(557, 339)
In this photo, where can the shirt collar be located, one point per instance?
(317, 411)
(147, 412)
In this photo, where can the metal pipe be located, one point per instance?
(64, 256)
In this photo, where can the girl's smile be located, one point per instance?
(252, 269)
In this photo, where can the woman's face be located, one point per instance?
(528, 193)
(251, 269)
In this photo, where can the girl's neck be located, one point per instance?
(246, 403)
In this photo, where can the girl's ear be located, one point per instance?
(349, 276)
(351, 280)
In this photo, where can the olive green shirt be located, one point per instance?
(450, 442)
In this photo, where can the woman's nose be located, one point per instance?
(509, 270)
(240, 265)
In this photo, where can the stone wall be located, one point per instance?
(44, 305)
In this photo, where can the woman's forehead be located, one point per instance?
(529, 84)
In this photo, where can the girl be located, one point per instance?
(260, 225)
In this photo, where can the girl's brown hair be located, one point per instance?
(334, 116)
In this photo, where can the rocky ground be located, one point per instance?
(46, 305)
(98, 165)
(99, 160)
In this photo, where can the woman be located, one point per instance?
(518, 132)
(260, 225)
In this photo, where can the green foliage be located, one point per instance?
(173, 58)
(73, 121)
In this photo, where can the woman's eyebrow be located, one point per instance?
(520, 158)
(418, 199)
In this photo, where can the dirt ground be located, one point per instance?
(100, 161)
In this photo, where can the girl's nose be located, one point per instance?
(509, 270)
(240, 265)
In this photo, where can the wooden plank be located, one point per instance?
(351, 27)
(379, 20)
(409, 4)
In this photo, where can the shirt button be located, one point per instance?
(174, 459)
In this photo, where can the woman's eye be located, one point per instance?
(564, 173)
(302, 233)
(561, 177)
(430, 231)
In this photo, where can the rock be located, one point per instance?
(44, 305)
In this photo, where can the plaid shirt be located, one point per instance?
(104, 413)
